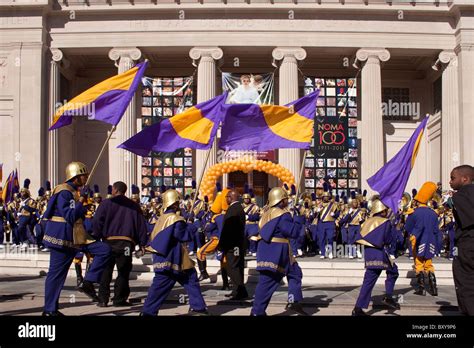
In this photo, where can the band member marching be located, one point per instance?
(326, 228)
(171, 261)
(422, 225)
(377, 237)
(354, 219)
(274, 258)
(65, 235)
(252, 215)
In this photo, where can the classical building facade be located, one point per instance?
(51, 50)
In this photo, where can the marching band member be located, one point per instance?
(26, 215)
(274, 258)
(422, 225)
(376, 236)
(328, 214)
(65, 234)
(171, 261)
(252, 215)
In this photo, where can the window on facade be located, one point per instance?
(396, 104)
(162, 98)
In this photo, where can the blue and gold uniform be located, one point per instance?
(274, 257)
(326, 228)
(377, 238)
(3, 221)
(352, 220)
(41, 204)
(252, 216)
(422, 225)
(171, 261)
(26, 215)
(65, 236)
(213, 230)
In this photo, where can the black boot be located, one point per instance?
(433, 287)
(202, 270)
(389, 301)
(225, 279)
(86, 287)
(420, 284)
(358, 312)
(297, 308)
(79, 277)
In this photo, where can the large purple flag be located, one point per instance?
(195, 128)
(268, 127)
(106, 101)
(391, 180)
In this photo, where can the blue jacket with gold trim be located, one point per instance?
(62, 205)
(277, 226)
(376, 235)
(169, 254)
(423, 224)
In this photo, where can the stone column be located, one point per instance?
(206, 89)
(371, 131)
(288, 91)
(465, 61)
(450, 131)
(123, 164)
(54, 95)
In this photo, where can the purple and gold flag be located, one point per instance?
(195, 128)
(106, 101)
(268, 127)
(391, 180)
(6, 189)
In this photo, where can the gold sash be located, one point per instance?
(270, 214)
(368, 226)
(164, 221)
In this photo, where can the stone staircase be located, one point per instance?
(315, 271)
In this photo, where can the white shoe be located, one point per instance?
(359, 255)
(450, 259)
(300, 252)
(351, 257)
(322, 257)
(411, 257)
(254, 254)
(331, 256)
(2, 246)
(45, 249)
(24, 246)
(191, 253)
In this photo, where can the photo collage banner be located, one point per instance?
(164, 97)
(333, 156)
(250, 89)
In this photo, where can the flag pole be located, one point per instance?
(94, 167)
(202, 175)
(300, 179)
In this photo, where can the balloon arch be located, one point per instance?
(246, 165)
